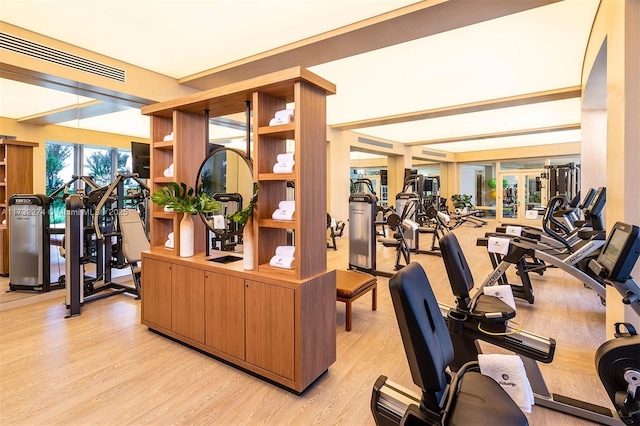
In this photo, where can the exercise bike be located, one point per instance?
(617, 361)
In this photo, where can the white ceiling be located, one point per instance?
(537, 50)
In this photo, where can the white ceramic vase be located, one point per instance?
(247, 242)
(186, 236)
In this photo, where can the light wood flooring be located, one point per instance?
(104, 367)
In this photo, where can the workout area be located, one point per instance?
(338, 213)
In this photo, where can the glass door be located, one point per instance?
(520, 198)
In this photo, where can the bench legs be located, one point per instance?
(374, 304)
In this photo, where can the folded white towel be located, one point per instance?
(284, 112)
(502, 292)
(287, 205)
(168, 209)
(169, 243)
(168, 137)
(509, 372)
(285, 167)
(514, 230)
(498, 245)
(170, 236)
(281, 120)
(444, 217)
(168, 172)
(287, 157)
(286, 251)
(282, 262)
(285, 210)
(282, 214)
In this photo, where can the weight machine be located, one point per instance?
(108, 242)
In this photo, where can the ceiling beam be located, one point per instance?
(522, 132)
(421, 19)
(510, 101)
(72, 112)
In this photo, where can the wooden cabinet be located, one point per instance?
(225, 313)
(16, 177)
(270, 327)
(156, 293)
(187, 302)
(278, 323)
(284, 330)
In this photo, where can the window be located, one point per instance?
(64, 160)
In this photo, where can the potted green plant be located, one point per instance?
(461, 202)
(181, 198)
(244, 218)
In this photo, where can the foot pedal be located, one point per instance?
(584, 405)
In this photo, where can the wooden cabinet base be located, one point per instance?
(270, 325)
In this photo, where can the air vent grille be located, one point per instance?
(434, 153)
(49, 54)
(375, 143)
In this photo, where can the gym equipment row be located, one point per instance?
(103, 226)
(533, 250)
(437, 336)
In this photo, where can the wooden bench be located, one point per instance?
(350, 285)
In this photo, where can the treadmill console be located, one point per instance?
(619, 254)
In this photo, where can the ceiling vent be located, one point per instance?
(434, 153)
(55, 56)
(374, 142)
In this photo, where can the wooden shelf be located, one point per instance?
(229, 99)
(199, 302)
(285, 131)
(266, 268)
(278, 224)
(162, 248)
(164, 215)
(16, 178)
(277, 176)
(164, 179)
(163, 145)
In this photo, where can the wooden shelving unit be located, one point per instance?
(183, 151)
(277, 323)
(16, 177)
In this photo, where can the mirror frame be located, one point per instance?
(242, 155)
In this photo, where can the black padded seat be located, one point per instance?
(466, 398)
(477, 395)
(461, 280)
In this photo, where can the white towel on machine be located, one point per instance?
(509, 372)
(445, 218)
(410, 225)
(284, 163)
(498, 245)
(514, 230)
(285, 210)
(502, 292)
(284, 257)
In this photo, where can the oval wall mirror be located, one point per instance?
(226, 175)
